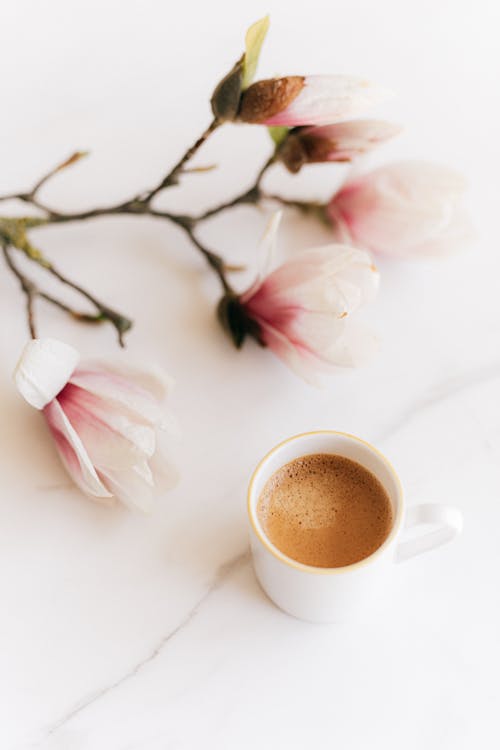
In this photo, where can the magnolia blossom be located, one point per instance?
(104, 419)
(307, 100)
(303, 309)
(342, 141)
(403, 209)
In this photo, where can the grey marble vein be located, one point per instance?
(448, 388)
(220, 576)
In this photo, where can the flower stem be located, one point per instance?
(305, 206)
(213, 260)
(314, 209)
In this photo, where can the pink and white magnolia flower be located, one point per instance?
(343, 141)
(303, 308)
(308, 100)
(104, 419)
(409, 208)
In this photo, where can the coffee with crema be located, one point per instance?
(325, 510)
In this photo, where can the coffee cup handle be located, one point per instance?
(447, 520)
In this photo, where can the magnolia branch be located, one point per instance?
(104, 312)
(13, 231)
(172, 177)
(252, 195)
(32, 291)
(28, 288)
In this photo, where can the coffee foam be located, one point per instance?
(325, 510)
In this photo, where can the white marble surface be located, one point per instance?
(124, 632)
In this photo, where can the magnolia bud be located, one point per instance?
(342, 141)
(266, 99)
(307, 100)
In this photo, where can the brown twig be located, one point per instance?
(32, 291)
(119, 321)
(31, 196)
(172, 177)
(214, 261)
(28, 288)
(289, 202)
(76, 314)
(253, 195)
(140, 205)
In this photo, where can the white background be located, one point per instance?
(124, 632)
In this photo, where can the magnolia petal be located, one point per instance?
(266, 251)
(105, 446)
(358, 280)
(357, 346)
(316, 331)
(334, 278)
(119, 392)
(302, 308)
(354, 131)
(459, 233)
(268, 242)
(44, 369)
(327, 99)
(335, 342)
(104, 420)
(403, 209)
(149, 377)
(143, 471)
(130, 486)
(140, 435)
(316, 263)
(425, 180)
(72, 452)
(299, 360)
(330, 344)
(165, 474)
(351, 138)
(341, 232)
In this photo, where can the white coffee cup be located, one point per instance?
(340, 594)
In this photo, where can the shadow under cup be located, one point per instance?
(313, 593)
